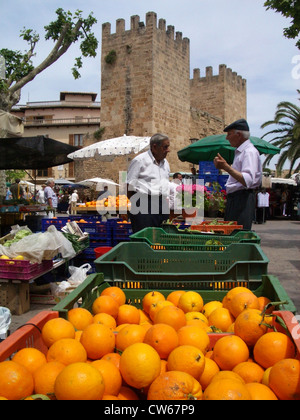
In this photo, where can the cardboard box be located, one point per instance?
(14, 295)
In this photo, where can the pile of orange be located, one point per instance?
(160, 352)
(119, 201)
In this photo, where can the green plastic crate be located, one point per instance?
(85, 294)
(138, 262)
(159, 239)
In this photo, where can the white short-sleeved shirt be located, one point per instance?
(148, 176)
(49, 193)
(247, 161)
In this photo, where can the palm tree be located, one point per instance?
(287, 135)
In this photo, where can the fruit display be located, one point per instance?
(115, 202)
(174, 346)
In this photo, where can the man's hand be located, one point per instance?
(220, 162)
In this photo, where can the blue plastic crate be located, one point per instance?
(121, 232)
(207, 168)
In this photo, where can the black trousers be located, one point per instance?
(148, 211)
(240, 207)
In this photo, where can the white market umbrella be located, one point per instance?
(98, 182)
(109, 149)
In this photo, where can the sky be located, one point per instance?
(239, 33)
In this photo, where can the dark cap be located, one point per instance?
(241, 125)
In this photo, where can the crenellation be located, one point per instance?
(134, 22)
(162, 25)
(171, 31)
(151, 19)
(120, 26)
(106, 29)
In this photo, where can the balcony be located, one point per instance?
(49, 122)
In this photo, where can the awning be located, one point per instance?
(33, 153)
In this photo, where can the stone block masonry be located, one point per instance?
(146, 88)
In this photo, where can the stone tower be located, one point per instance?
(145, 84)
(223, 95)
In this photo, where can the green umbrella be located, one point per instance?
(208, 148)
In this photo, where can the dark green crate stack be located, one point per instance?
(156, 260)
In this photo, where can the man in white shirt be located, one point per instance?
(177, 181)
(148, 185)
(245, 175)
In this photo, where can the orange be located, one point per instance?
(151, 297)
(106, 304)
(230, 295)
(163, 338)
(116, 293)
(199, 323)
(284, 379)
(112, 358)
(273, 347)
(144, 317)
(3, 399)
(55, 329)
(248, 326)
(16, 382)
(127, 393)
(67, 351)
(80, 318)
(221, 319)
(260, 392)
(140, 365)
(193, 336)
(108, 397)
(155, 307)
(175, 296)
(210, 370)
(263, 302)
(79, 381)
(98, 340)
(175, 385)
(171, 315)
(30, 358)
(129, 335)
(105, 319)
(111, 376)
(209, 307)
(191, 302)
(226, 390)
(242, 301)
(45, 376)
(249, 371)
(197, 316)
(266, 376)
(128, 314)
(187, 359)
(78, 335)
(229, 351)
(227, 374)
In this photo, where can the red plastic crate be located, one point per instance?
(221, 227)
(29, 335)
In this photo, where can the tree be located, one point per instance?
(66, 30)
(287, 134)
(289, 9)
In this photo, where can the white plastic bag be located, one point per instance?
(5, 320)
(78, 274)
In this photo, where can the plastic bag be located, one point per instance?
(78, 274)
(42, 246)
(5, 320)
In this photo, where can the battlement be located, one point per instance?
(137, 27)
(226, 75)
